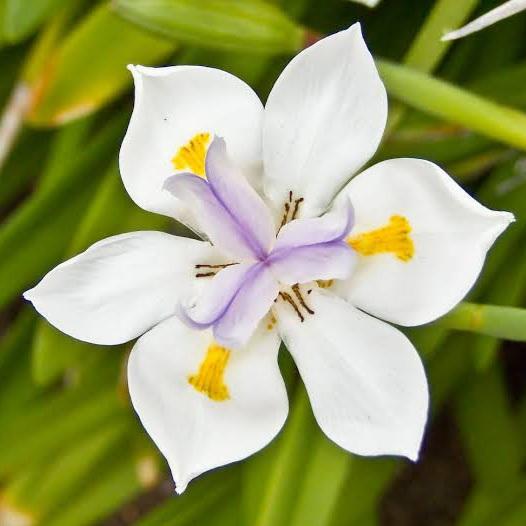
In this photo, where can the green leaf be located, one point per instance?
(16, 338)
(68, 142)
(324, 474)
(454, 104)
(226, 514)
(271, 478)
(488, 50)
(17, 387)
(433, 141)
(45, 46)
(125, 216)
(478, 165)
(20, 19)
(486, 507)
(51, 196)
(22, 269)
(240, 64)
(89, 68)
(119, 479)
(367, 480)
(3, 4)
(51, 424)
(448, 368)
(514, 516)
(501, 85)
(198, 504)
(38, 427)
(54, 353)
(45, 223)
(485, 420)
(45, 486)
(241, 25)
(427, 49)
(426, 339)
(69, 470)
(20, 169)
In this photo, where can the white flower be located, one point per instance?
(507, 9)
(203, 376)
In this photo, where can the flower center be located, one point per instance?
(392, 238)
(191, 156)
(209, 380)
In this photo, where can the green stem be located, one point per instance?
(508, 323)
(454, 104)
(427, 49)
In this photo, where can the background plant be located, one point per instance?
(71, 449)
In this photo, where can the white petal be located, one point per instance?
(120, 287)
(323, 120)
(365, 381)
(501, 12)
(192, 431)
(451, 233)
(368, 3)
(172, 105)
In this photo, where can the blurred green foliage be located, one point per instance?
(72, 452)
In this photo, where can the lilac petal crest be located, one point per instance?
(234, 303)
(331, 260)
(238, 196)
(218, 224)
(229, 210)
(212, 304)
(333, 226)
(247, 308)
(315, 248)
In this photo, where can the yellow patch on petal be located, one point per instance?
(191, 156)
(271, 322)
(209, 380)
(325, 283)
(392, 238)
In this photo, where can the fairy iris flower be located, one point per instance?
(293, 248)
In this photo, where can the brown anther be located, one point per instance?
(297, 292)
(285, 216)
(216, 266)
(205, 274)
(297, 203)
(288, 298)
